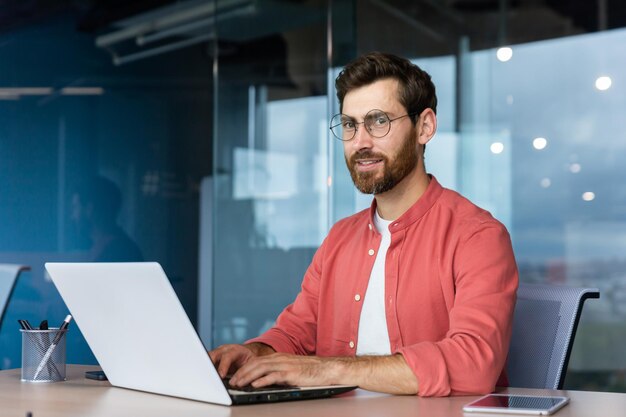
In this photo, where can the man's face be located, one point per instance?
(377, 165)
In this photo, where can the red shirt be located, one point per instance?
(450, 290)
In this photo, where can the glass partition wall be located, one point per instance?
(98, 161)
(534, 138)
(270, 186)
(215, 139)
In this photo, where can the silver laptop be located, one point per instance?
(143, 339)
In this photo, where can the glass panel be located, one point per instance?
(560, 121)
(79, 135)
(270, 184)
(534, 140)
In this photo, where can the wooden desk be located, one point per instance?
(86, 398)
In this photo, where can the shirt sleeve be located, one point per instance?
(471, 357)
(295, 330)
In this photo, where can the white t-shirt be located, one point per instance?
(373, 333)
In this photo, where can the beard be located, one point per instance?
(394, 170)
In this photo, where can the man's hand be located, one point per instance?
(388, 374)
(280, 368)
(229, 358)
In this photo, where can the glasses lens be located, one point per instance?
(343, 127)
(377, 123)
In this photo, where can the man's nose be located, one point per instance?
(362, 138)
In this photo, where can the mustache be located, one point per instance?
(366, 154)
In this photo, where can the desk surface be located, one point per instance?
(86, 398)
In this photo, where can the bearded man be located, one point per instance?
(414, 295)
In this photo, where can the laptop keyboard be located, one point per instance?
(250, 388)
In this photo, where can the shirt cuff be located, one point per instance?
(276, 340)
(429, 366)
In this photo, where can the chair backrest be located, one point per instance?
(545, 322)
(8, 276)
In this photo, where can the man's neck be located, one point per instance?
(395, 202)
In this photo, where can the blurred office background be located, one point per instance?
(209, 120)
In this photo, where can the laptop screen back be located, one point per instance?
(137, 329)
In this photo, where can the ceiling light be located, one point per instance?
(497, 147)
(540, 143)
(575, 168)
(589, 196)
(603, 83)
(82, 91)
(177, 26)
(25, 91)
(504, 54)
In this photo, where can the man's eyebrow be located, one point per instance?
(377, 112)
(366, 114)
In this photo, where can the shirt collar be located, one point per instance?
(417, 210)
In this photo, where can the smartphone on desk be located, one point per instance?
(516, 404)
(97, 375)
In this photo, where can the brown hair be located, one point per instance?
(416, 92)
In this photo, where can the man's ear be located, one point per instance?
(427, 126)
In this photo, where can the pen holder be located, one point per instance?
(42, 359)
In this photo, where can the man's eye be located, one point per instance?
(380, 120)
(377, 120)
(348, 124)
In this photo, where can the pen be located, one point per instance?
(53, 346)
(44, 326)
(25, 324)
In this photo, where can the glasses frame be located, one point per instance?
(356, 124)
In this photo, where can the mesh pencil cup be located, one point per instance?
(42, 359)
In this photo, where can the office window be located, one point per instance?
(550, 121)
(216, 145)
(534, 139)
(98, 162)
(269, 189)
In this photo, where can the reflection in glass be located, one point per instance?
(540, 143)
(504, 54)
(603, 83)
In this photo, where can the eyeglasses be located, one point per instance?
(377, 123)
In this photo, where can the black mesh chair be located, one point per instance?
(545, 322)
(8, 276)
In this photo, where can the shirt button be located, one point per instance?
(351, 344)
(370, 226)
(371, 252)
(357, 297)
